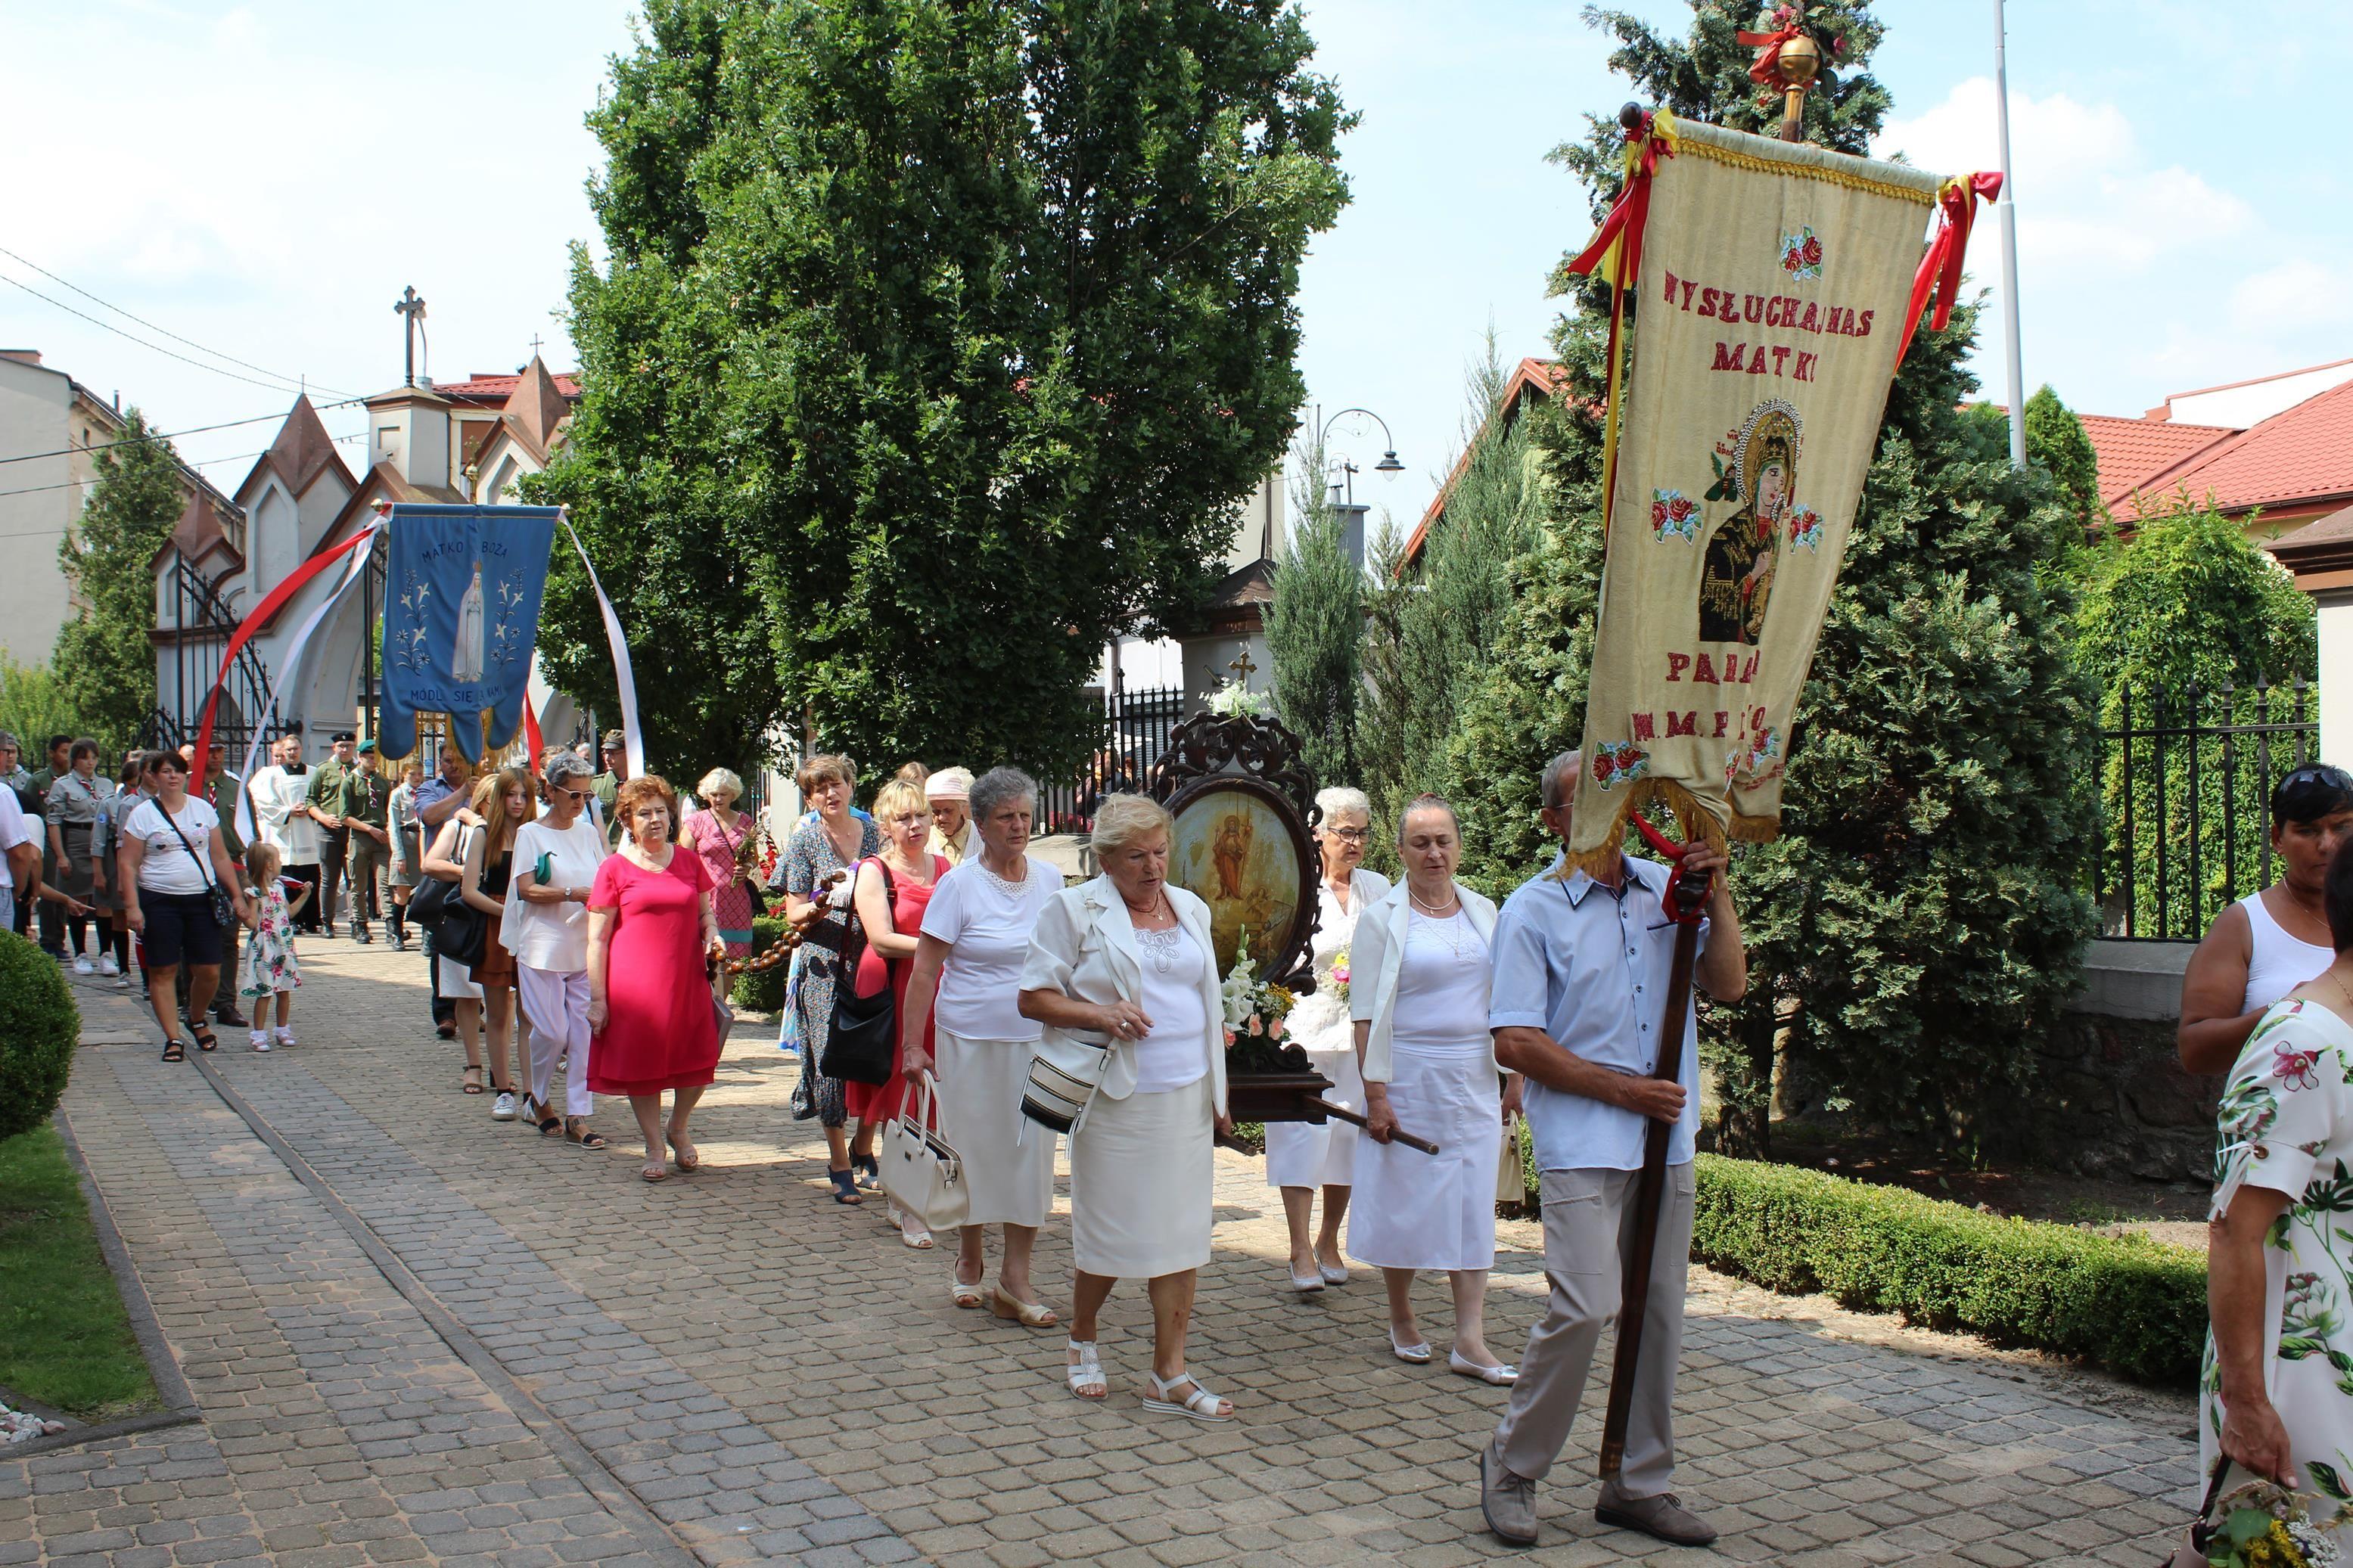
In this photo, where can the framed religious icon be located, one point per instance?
(1243, 848)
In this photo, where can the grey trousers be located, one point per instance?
(1587, 1233)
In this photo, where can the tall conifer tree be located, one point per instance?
(105, 659)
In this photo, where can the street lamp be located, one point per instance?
(1388, 467)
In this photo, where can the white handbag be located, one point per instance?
(920, 1172)
(1065, 1071)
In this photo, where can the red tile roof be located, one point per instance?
(2300, 458)
(1542, 377)
(497, 389)
(2131, 450)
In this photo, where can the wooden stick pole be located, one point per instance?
(1400, 1136)
(1634, 1299)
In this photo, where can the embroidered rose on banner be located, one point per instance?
(1801, 254)
(1673, 515)
(1806, 528)
(1619, 762)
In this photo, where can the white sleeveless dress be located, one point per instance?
(1301, 1153)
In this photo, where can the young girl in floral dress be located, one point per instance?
(271, 968)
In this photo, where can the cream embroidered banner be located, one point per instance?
(1768, 307)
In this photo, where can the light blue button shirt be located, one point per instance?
(1590, 968)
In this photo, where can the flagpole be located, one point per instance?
(2008, 214)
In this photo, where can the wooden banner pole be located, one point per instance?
(1634, 1297)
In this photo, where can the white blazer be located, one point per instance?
(1084, 947)
(1378, 958)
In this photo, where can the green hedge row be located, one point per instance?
(2133, 1305)
(40, 1027)
(764, 992)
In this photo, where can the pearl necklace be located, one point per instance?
(1447, 925)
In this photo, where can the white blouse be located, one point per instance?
(1320, 1020)
(1441, 995)
(1176, 1052)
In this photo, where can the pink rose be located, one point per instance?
(1254, 1026)
(1274, 1030)
(1229, 1038)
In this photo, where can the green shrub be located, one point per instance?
(764, 992)
(2133, 1305)
(38, 1029)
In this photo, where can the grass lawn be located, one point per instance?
(65, 1340)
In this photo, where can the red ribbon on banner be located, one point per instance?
(1767, 69)
(530, 732)
(1650, 136)
(1940, 268)
(262, 615)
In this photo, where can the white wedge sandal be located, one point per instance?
(1200, 1406)
(1087, 1373)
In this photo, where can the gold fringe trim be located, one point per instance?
(1835, 177)
(1692, 819)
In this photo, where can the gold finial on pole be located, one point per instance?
(1787, 58)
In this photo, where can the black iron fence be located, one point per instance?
(1135, 727)
(2186, 798)
(197, 625)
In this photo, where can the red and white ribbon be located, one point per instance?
(289, 663)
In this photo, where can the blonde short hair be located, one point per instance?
(719, 779)
(1122, 819)
(899, 798)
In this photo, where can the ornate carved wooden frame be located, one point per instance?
(1211, 751)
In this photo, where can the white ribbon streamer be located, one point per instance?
(624, 679)
(290, 664)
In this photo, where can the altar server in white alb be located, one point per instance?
(282, 817)
(1418, 993)
(1582, 968)
(1125, 959)
(1301, 1156)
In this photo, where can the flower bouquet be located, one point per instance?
(2265, 1525)
(1255, 1011)
(1340, 976)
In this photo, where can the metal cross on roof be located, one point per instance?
(411, 306)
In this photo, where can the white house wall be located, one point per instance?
(35, 408)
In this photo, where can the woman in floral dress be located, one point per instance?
(835, 841)
(720, 836)
(2277, 1390)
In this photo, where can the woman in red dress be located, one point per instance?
(651, 927)
(894, 889)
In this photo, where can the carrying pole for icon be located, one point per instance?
(1685, 900)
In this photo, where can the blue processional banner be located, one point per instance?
(462, 594)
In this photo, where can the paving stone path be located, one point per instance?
(415, 1335)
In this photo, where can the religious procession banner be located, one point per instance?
(461, 595)
(1773, 286)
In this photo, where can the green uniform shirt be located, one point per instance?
(328, 783)
(365, 798)
(607, 791)
(222, 797)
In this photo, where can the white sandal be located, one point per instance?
(1418, 1354)
(1087, 1372)
(962, 1294)
(1200, 1405)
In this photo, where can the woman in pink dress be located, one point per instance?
(651, 927)
(718, 834)
(892, 891)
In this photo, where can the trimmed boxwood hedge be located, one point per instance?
(40, 1027)
(2133, 1305)
(764, 992)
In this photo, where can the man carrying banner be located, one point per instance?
(1581, 969)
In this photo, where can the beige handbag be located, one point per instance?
(1511, 1182)
(1066, 1069)
(920, 1172)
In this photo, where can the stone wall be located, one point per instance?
(2115, 1101)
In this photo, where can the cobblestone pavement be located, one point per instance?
(417, 1335)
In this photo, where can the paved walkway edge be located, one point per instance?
(610, 1491)
(180, 1406)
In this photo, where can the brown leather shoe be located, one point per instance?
(1508, 1502)
(1664, 1517)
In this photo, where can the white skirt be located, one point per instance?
(1304, 1154)
(1412, 1210)
(1143, 1184)
(1008, 1160)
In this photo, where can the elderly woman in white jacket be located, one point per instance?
(1419, 982)
(1123, 962)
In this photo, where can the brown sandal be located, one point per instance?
(476, 1086)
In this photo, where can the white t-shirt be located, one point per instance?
(165, 867)
(1442, 982)
(13, 832)
(553, 936)
(988, 930)
(1176, 1052)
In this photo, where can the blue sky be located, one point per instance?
(264, 178)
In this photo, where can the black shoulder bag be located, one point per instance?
(460, 932)
(862, 1046)
(224, 909)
